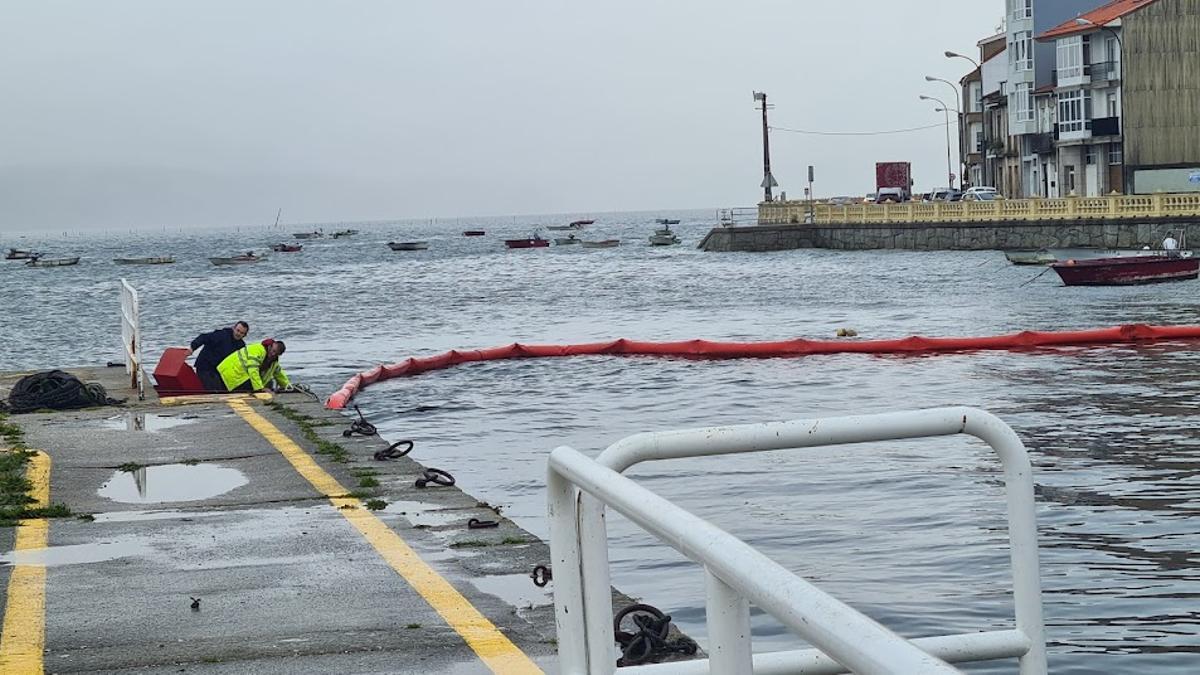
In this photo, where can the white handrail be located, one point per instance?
(131, 338)
(580, 552)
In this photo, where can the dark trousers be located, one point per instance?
(211, 380)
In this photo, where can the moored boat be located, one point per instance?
(316, 234)
(244, 259)
(1029, 256)
(19, 254)
(603, 243)
(1128, 270)
(408, 245)
(287, 248)
(344, 233)
(667, 221)
(52, 262)
(153, 260)
(474, 233)
(560, 228)
(564, 241)
(581, 223)
(534, 241)
(664, 237)
(1085, 253)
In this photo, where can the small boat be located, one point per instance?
(1061, 254)
(244, 259)
(576, 225)
(604, 243)
(408, 245)
(564, 241)
(474, 233)
(534, 241)
(581, 223)
(51, 262)
(19, 254)
(1029, 256)
(155, 260)
(308, 235)
(287, 248)
(664, 237)
(344, 233)
(667, 221)
(1128, 270)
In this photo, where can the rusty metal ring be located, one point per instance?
(477, 524)
(435, 476)
(391, 452)
(541, 576)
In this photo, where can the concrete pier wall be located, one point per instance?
(972, 236)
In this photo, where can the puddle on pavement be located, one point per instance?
(139, 516)
(429, 515)
(75, 555)
(515, 589)
(138, 421)
(171, 483)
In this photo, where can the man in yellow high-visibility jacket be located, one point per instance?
(254, 367)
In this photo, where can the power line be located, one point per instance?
(856, 133)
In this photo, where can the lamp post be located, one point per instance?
(961, 107)
(982, 112)
(768, 180)
(945, 109)
(1080, 21)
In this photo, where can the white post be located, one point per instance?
(597, 585)
(728, 615)
(568, 584)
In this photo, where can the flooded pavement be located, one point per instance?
(141, 421)
(171, 483)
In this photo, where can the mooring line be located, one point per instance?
(481, 635)
(23, 635)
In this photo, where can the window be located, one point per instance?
(1070, 57)
(1069, 178)
(979, 141)
(1115, 154)
(1113, 110)
(1074, 112)
(1089, 156)
(1020, 50)
(1022, 102)
(1022, 9)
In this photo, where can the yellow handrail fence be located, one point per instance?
(1110, 207)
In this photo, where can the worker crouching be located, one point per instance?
(254, 367)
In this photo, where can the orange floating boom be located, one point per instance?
(707, 349)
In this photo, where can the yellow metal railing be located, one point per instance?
(1158, 205)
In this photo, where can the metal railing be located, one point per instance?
(1118, 207)
(131, 338)
(579, 489)
(741, 215)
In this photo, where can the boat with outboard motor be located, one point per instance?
(20, 254)
(344, 233)
(247, 258)
(408, 245)
(287, 248)
(474, 233)
(153, 260)
(666, 221)
(52, 262)
(664, 236)
(315, 234)
(533, 241)
(1159, 267)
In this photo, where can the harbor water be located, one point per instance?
(912, 533)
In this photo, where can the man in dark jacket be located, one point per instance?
(214, 347)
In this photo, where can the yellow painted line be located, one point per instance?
(212, 398)
(492, 646)
(23, 636)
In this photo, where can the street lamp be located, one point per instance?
(1080, 21)
(956, 55)
(944, 109)
(961, 106)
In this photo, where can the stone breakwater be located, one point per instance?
(973, 236)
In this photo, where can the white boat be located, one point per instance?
(52, 262)
(308, 235)
(20, 254)
(1029, 256)
(246, 259)
(604, 243)
(344, 233)
(664, 237)
(408, 245)
(156, 260)
(565, 241)
(572, 226)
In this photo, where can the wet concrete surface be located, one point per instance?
(285, 583)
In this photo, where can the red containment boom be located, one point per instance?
(706, 349)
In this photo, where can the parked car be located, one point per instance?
(979, 197)
(891, 194)
(945, 195)
(981, 189)
(869, 198)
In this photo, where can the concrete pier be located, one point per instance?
(235, 535)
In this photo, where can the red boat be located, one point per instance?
(533, 242)
(1125, 271)
(287, 248)
(474, 233)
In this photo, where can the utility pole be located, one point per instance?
(768, 180)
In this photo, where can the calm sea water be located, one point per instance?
(913, 533)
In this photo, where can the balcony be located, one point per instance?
(1105, 71)
(1106, 126)
(1041, 144)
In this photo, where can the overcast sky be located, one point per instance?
(139, 113)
